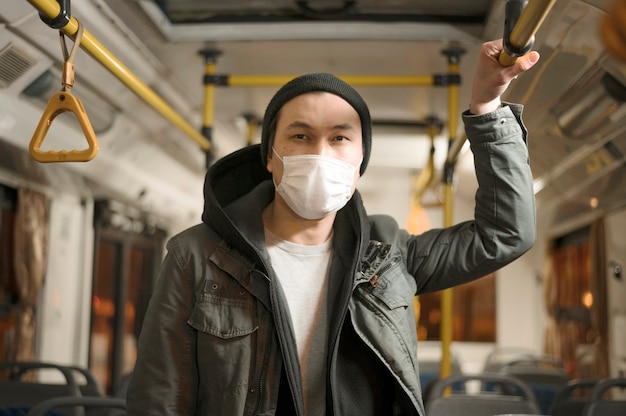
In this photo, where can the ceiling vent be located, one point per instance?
(14, 62)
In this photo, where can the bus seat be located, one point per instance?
(571, 400)
(103, 403)
(122, 387)
(87, 383)
(499, 401)
(601, 403)
(544, 375)
(18, 394)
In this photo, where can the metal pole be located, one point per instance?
(522, 34)
(354, 80)
(454, 54)
(526, 26)
(209, 81)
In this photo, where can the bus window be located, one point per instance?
(474, 312)
(8, 286)
(126, 262)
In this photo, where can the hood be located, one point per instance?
(232, 177)
(229, 179)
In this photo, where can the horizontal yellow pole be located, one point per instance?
(354, 80)
(51, 9)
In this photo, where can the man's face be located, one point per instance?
(317, 123)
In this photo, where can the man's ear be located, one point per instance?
(268, 162)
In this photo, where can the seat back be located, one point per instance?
(87, 383)
(18, 393)
(544, 375)
(500, 356)
(602, 403)
(510, 395)
(109, 404)
(572, 399)
(122, 387)
(430, 369)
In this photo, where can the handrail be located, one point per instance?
(446, 326)
(522, 34)
(354, 80)
(59, 103)
(525, 28)
(51, 9)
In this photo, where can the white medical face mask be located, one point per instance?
(314, 186)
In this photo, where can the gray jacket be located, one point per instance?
(217, 338)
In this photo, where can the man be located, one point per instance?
(289, 299)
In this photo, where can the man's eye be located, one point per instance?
(299, 136)
(341, 138)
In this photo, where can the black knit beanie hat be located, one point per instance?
(318, 82)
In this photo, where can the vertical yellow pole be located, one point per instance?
(453, 53)
(251, 121)
(529, 21)
(210, 80)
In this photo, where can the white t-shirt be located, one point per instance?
(302, 271)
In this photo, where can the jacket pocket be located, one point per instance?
(223, 317)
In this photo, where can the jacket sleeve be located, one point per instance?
(504, 216)
(164, 378)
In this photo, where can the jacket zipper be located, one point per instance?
(374, 281)
(385, 363)
(375, 255)
(266, 360)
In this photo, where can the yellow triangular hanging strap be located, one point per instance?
(59, 103)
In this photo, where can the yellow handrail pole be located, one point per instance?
(251, 122)
(93, 47)
(422, 182)
(526, 26)
(453, 53)
(528, 23)
(354, 80)
(209, 81)
(426, 175)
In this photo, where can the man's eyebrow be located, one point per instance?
(344, 126)
(302, 124)
(298, 125)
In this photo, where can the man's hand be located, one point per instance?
(492, 79)
(613, 30)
